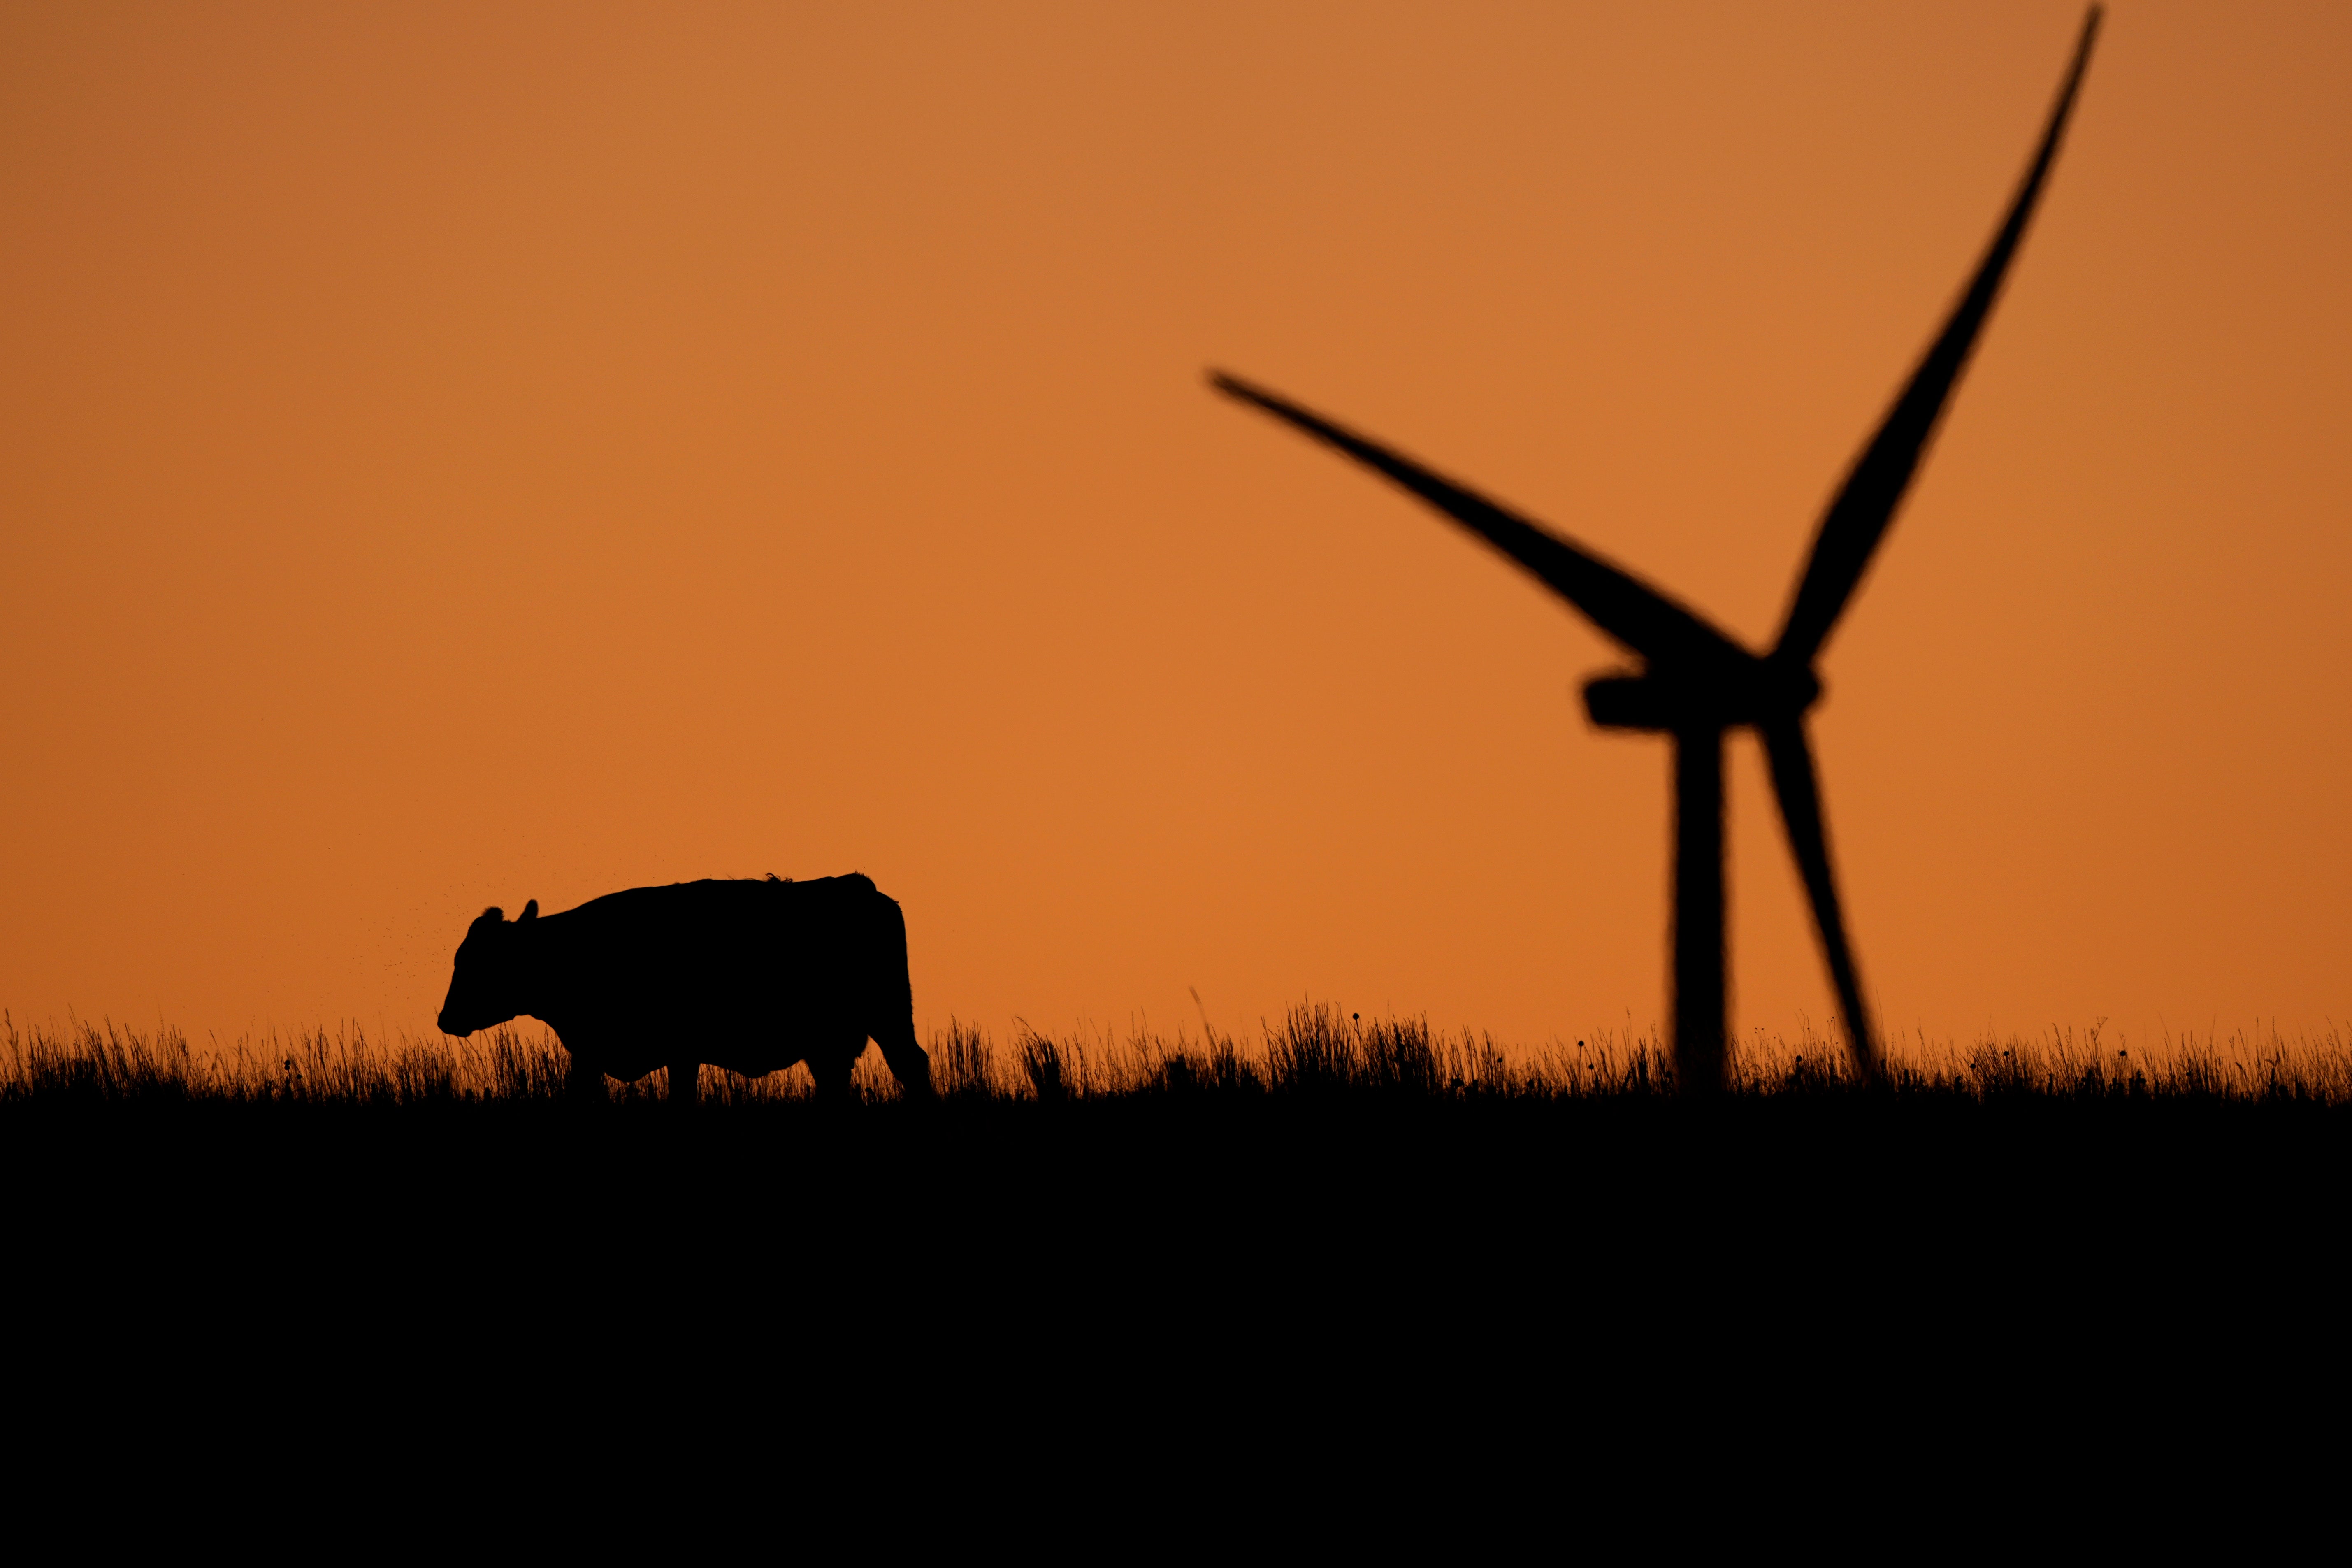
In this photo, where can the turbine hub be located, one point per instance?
(1683, 700)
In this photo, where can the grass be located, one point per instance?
(1355, 1194)
(1316, 1054)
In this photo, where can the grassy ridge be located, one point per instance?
(1316, 1052)
(1345, 1196)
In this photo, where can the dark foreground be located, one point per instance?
(1497, 1217)
(1338, 1235)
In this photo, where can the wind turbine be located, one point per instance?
(1695, 682)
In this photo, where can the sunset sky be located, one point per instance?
(459, 455)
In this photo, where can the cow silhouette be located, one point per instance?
(752, 976)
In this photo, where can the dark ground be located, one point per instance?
(1522, 1216)
(1265, 1285)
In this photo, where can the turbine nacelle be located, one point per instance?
(1759, 693)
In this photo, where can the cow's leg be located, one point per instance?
(909, 1063)
(831, 1069)
(684, 1082)
(584, 1083)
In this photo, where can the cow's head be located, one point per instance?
(486, 988)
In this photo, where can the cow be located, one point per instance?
(747, 975)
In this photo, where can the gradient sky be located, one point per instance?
(458, 455)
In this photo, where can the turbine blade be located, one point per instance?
(1620, 605)
(1858, 519)
(1791, 758)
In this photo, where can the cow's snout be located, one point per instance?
(449, 1026)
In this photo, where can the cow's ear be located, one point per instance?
(530, 913)
(490, 916)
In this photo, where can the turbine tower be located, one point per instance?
(1695, 682)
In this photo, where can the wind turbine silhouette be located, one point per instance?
(1695, 682)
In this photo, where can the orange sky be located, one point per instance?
(458, 455)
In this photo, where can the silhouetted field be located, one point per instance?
(1357, 1191)
(1317, 1055)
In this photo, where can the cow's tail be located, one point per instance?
(892, 1023)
